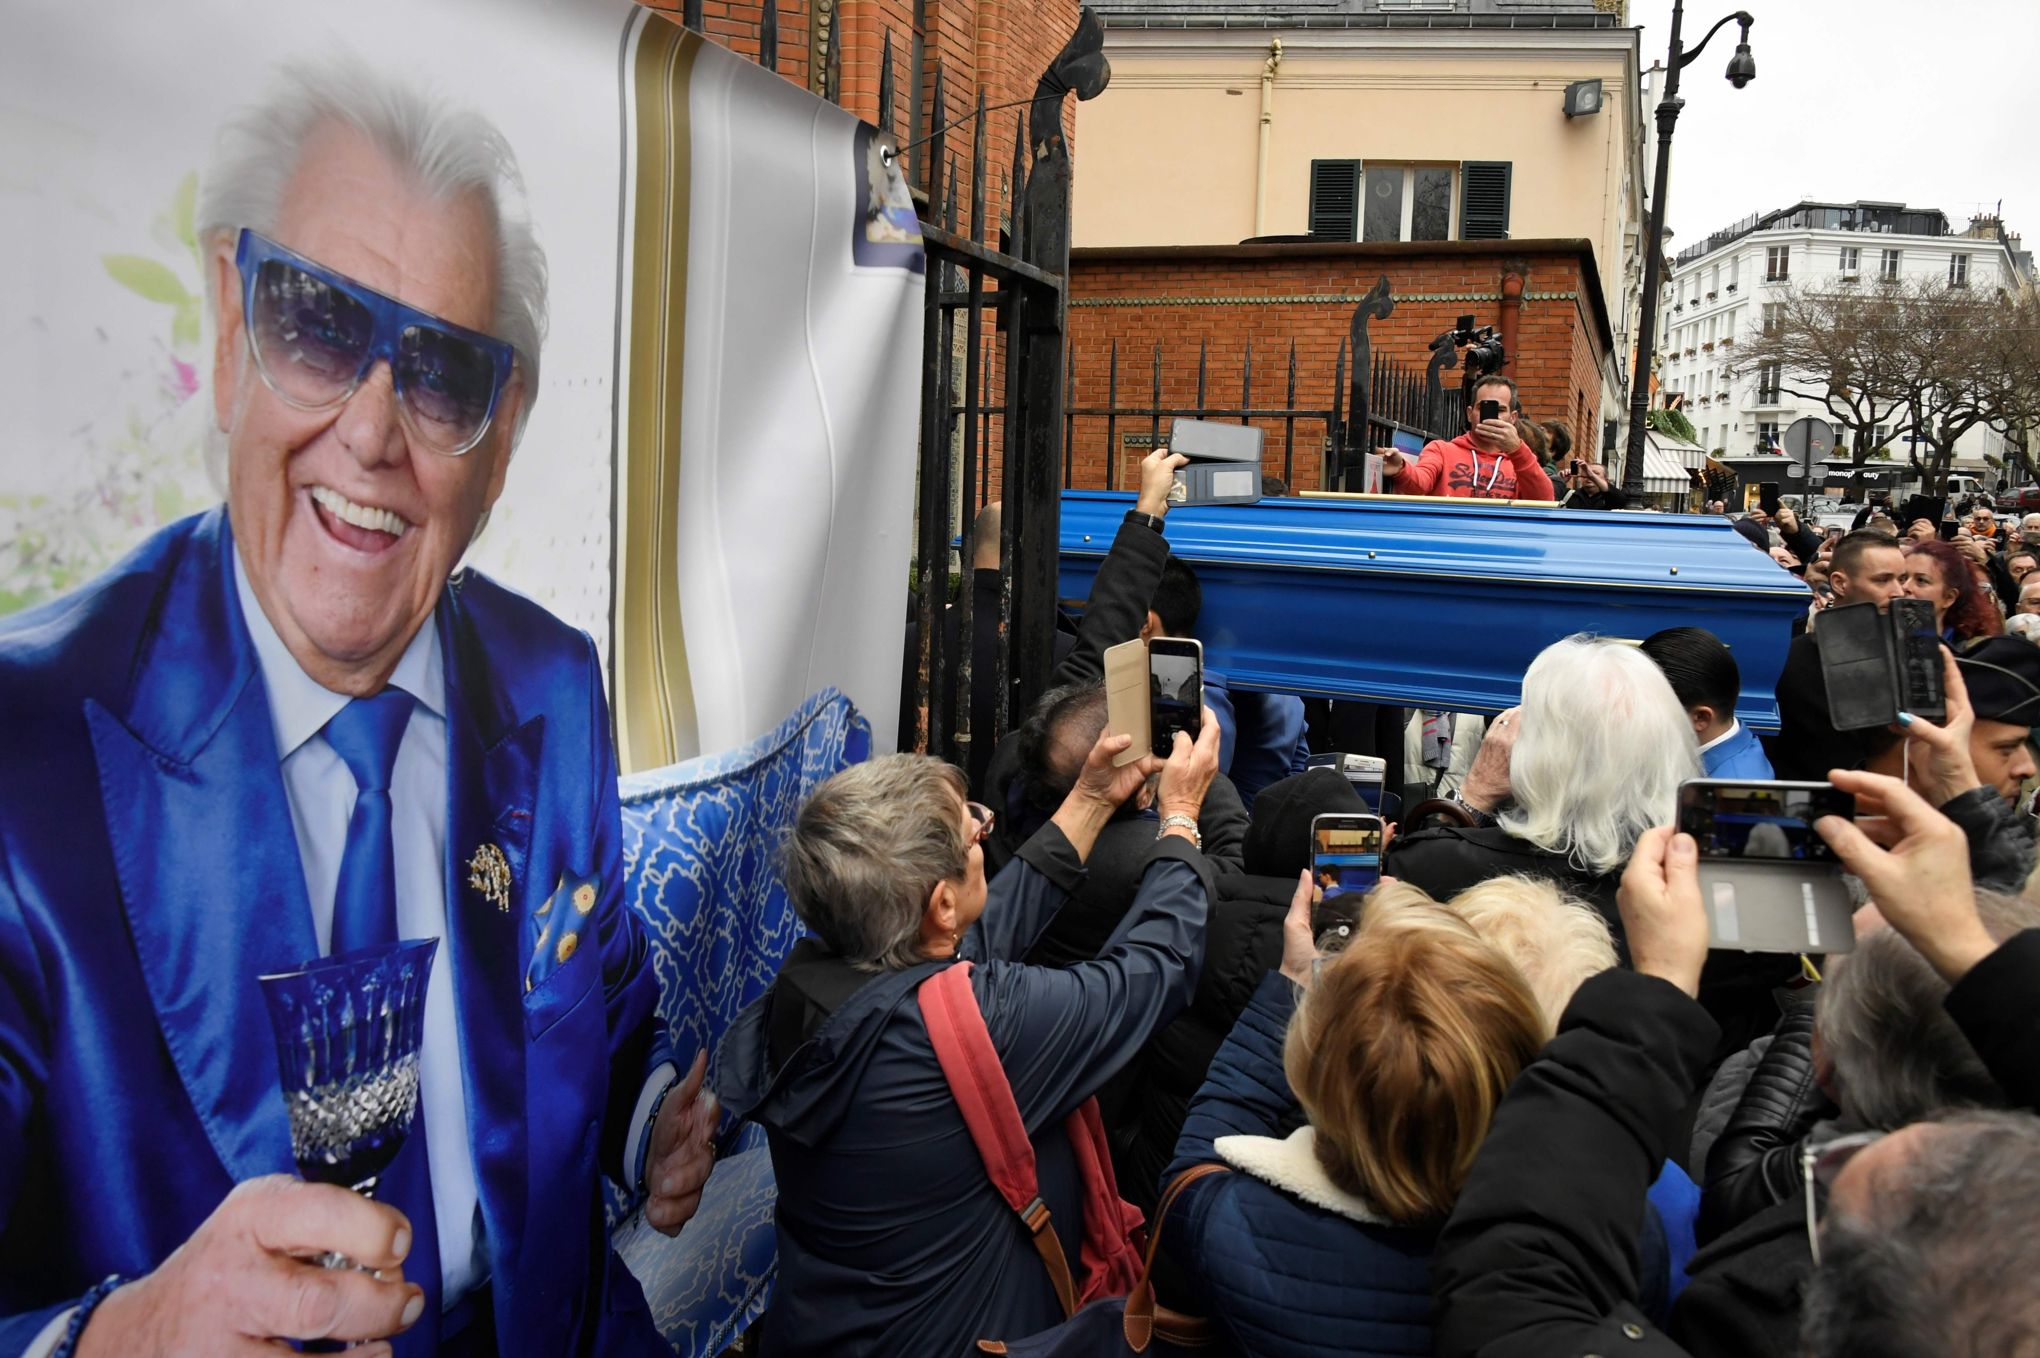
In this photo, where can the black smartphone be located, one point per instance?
(1768, 821)
(1767, 498)
(1579, 468)
(1345, 853)
(1919, 658)
(1175, 691)
(1948, 528)
(1491, 410)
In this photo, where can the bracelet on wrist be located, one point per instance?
(1179, 821)
(87, 1304)
(644, 1150)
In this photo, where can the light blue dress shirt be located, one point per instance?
(321, 793)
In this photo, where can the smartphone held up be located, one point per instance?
(1345, 853)
(1769, 882)
(1154, 689)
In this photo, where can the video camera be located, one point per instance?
(1484, 353)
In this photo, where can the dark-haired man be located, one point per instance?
(1866, 568)
(1707, 680)
(1490, 461)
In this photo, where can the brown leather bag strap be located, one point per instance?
(1046, 1244)
(1140, 1303)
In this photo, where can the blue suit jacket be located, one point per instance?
(149, 873)
(1740, 756)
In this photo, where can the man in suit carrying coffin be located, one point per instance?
(292, 727)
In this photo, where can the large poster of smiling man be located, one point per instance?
(713, 473)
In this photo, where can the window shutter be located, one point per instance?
(1335, 199)
(1484, 199)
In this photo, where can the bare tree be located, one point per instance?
(1926, 359)
(1840, 345)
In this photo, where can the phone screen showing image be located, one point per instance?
(1175, 692)
(1769, 821)
(1345, 854)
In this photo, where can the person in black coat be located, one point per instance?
(1536, 1258)
(1243, 943)
(1036, 765)
(1867, 567)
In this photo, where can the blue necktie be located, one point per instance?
(366, 734)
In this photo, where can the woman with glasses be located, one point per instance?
(892, 1238)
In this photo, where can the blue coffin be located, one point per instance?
(1443, 604)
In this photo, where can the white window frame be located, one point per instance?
(1890, 264)
(1409, 197)
(1958, 270)
(1852, 262)
(1777, 263)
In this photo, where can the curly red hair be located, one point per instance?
(1974, 613)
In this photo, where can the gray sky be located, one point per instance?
(1933, 104)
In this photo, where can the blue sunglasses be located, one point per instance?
(316, 335)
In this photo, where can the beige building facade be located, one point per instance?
(1368, 126)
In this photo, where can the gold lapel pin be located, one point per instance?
(489, 873)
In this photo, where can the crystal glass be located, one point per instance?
(347, 1032)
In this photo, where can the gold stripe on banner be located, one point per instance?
(654, 698)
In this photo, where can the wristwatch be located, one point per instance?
(1145, 519)
(1480, 818)
(1181, 821)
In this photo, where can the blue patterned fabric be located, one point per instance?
(700, 841)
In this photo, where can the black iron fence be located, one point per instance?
(1320, 440)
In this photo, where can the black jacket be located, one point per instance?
(1540, 1256)
(1445, 860)
(1808, 745)
(1117, 610)
(1755, 1161)
(1145, 1108)
(1746, 1287)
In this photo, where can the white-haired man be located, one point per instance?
(289, 727)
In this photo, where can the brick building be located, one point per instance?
(999, 47)
(1227, 297)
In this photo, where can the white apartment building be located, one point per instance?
(1714, 299)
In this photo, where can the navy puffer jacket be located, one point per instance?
(1299, 1269)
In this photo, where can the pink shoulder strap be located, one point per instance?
(970, 1063)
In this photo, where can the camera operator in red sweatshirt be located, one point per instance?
(1490, 461)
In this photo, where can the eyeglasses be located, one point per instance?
(316, 335)
(1820, 1165)
(985, 818)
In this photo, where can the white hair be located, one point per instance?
(447, 150)
(1604, 745)
(1555, 940)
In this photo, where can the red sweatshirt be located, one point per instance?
(1459, 469)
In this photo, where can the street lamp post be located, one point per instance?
(1742, 69)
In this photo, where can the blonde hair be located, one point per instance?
(1556, 941)
(1402, 1051)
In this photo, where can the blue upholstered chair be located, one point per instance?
(699, 841)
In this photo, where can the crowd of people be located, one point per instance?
(1509, 1101)
(1073, 1030)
